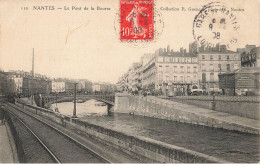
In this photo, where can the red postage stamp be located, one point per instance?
(136, 18)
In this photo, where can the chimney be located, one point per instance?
(217, 47)
(33, 63)
(223, 48)
(249, 48)
(168, 48)
(160, 51)
(181, 50)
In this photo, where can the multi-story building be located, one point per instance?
(14, 82)
(134, 78)
(20, 82)
(46, 86)
(58, 86)
(81, 85)
(173, 72)
(170, 71)
(88, 86)
(96, 88)
(69, 86)
(103, 87)
(213, 62)
(2, 82)
(122, 84)
(251, 56)
(244, 81)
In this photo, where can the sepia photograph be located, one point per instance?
(129, 81)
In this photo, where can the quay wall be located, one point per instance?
(141, 147)
(244, 106)
(143, 106)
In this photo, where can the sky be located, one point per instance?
(83, 44)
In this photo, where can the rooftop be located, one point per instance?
(255, 50)
(244, 70)
(219, 52)
(178, 54)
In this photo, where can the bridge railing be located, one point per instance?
(107, 97)
(110, 98)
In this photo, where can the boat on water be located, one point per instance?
(100, 104)
(79, 101)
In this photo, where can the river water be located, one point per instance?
(225, 144)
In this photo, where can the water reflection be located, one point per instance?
(89, 108)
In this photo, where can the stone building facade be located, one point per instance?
(171, 72)
(212, 63)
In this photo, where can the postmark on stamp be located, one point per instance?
(216, 24)
(138, 23)
(137, 20)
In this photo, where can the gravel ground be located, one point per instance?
(33, 150)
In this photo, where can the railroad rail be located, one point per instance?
(54, 158)
(61, 147)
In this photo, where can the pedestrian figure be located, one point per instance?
(2, 115)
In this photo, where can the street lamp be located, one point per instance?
(56, 109)
(75, 92)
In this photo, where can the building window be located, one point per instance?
(175, 69)
(167, 78)
(167, 68)
(227, 57)
(203, 77)
(219, 57)
(181, 79)
(195, 78)
(167, 59)
(181, 69)
(219, 67)
(188, 69)
(253, 56)
(237, 67)
(211, 77)
(203, 67)
(194, 69)
(175, 79)
(228, 67)
(188, 79)
(203, 57)
(211, 67)
(171, 78)
(211, 57)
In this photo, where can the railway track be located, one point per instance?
(60, 147)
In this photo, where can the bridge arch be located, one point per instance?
(50, 99)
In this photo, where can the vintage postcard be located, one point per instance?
(129, 81)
